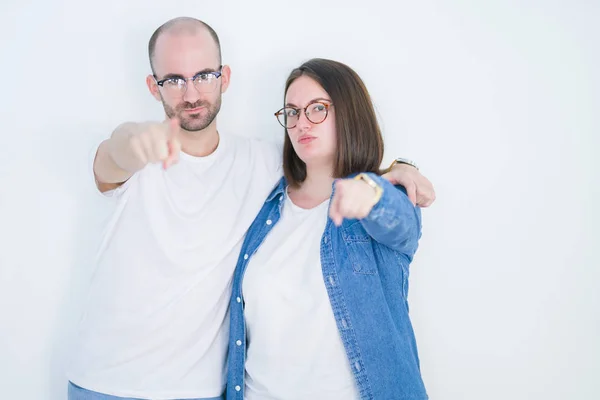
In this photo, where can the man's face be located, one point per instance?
(184, 55)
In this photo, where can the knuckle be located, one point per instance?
(137, 145)
(134, 141)
(157, 135)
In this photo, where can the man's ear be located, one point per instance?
(225, 78)
(153, 87)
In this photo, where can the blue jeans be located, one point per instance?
(79, 393)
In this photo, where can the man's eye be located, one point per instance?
(173, 82)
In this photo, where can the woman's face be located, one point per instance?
(314, 142)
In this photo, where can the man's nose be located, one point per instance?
(192, 94)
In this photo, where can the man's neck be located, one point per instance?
(200, 143)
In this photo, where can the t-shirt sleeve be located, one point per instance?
(276, 150)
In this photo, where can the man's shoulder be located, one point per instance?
(254, 143)
(256, 148)
(262, 157)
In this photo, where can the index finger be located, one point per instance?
(174, 149)
(334, 212)
(174, 126)
(411, 191)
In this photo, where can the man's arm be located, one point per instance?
(419, 189)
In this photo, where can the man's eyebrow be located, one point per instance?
(310, 102)
(204, 71)
(169, 76)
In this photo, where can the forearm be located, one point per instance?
(394, 220)
(115, 161)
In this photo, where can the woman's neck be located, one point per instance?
(315, 189)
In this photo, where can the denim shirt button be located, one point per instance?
(238, 388)
(269, 222)
(239, 342)
(325, 240)
(245, 256)
(239, 300)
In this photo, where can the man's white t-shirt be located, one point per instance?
(156, 323)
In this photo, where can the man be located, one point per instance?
(156, 322)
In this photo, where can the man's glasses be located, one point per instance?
(315, 112)
(204, 82)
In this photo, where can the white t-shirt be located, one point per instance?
(294, 348)
(156, 324)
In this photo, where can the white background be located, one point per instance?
(497, 101)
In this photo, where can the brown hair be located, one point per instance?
(183, 23)
(358, 137)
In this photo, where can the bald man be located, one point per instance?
(156, 320)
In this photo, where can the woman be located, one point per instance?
(319, 308)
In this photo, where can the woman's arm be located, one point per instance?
(389, 217)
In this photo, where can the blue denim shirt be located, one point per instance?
(365, 266)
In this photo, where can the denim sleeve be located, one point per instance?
(394, 221)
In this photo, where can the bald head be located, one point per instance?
(181, 26)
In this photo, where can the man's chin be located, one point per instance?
(193, 125)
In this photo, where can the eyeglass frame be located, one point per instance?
(327, 105)
(217, 74)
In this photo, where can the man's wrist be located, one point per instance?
(406, 161)
(401, 160)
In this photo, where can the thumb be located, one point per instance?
(334, 212)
